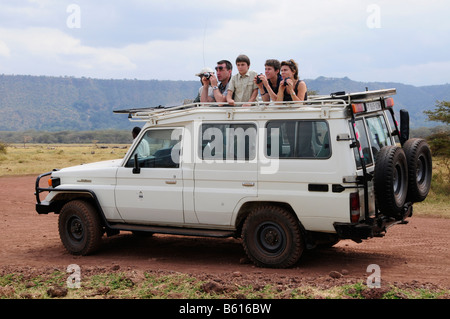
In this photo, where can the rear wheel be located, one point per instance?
(418, 155)
(79, 226)
(391, 181)
(272, 237)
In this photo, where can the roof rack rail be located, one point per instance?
(339, 100)
(359, 95)
(150, 112)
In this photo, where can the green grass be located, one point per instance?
(41, 158)
(126, 285)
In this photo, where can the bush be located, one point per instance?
(3, 147)
(440, 143)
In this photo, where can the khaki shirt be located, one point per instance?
(242, 86)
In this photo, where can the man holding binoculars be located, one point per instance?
(212, 90)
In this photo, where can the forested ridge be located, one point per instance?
(44, 103)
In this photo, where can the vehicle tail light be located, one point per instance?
(358, 108)
(389, 102)
(355, 208)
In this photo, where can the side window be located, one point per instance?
(298, 139)
(158, 149)
(378, 134)
(364, 149)
(220, 141)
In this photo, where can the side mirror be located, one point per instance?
(404, 126)
(136, 168)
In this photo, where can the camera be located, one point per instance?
(258, 80)
(285, 81)
(207, 75)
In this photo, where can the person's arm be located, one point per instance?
(219, 97)
(230, 91)
(229, 97)
(271, 94)
(205, 96)
(264, 95)
(290, 90)
(281, 88)
(301, 91)
(253, 96)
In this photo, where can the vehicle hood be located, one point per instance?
(104, 169)
(95, 165)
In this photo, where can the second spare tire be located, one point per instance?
(418, 155)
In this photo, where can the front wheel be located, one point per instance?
(272, 237)
(79, 226)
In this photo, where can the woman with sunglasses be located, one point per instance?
(291, 87)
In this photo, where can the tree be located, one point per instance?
(441, 113)
(440, 141)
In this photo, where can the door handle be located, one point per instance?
(248, 184)
(171, 182)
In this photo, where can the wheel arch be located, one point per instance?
(247, 208)
(63, 197)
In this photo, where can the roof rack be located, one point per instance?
(365, 95)
(338, 100)
(145, 114)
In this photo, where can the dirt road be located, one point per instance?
(416, 252)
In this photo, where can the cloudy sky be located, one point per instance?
(404, 41)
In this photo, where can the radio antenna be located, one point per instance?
(204, 40)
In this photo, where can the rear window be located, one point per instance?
(372, 134)
(298, 139)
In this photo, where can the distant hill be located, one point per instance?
(415, 99)
(44, 103)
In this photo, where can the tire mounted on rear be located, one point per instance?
(391, 181)
(418, 155)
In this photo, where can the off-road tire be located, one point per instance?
(418, 155)
(391, 181)
(79, 227)
(272, 237)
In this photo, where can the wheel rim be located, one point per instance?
(271, 238)
(421, 171)
(75, 229)
(399, 182)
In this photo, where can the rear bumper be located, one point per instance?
(373, 227)
(355, 231)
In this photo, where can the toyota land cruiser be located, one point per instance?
(282, 176)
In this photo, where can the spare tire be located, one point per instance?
(391, 181)
(418, 156)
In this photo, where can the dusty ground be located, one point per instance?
(418, 252)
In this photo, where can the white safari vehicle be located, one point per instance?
(283, 177)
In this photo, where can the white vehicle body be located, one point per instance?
(210, 167)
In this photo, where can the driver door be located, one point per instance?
(154, 193)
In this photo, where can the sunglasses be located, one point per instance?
(219, 68)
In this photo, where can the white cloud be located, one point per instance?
(174, 39)
(4, 49)
(57, 50)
